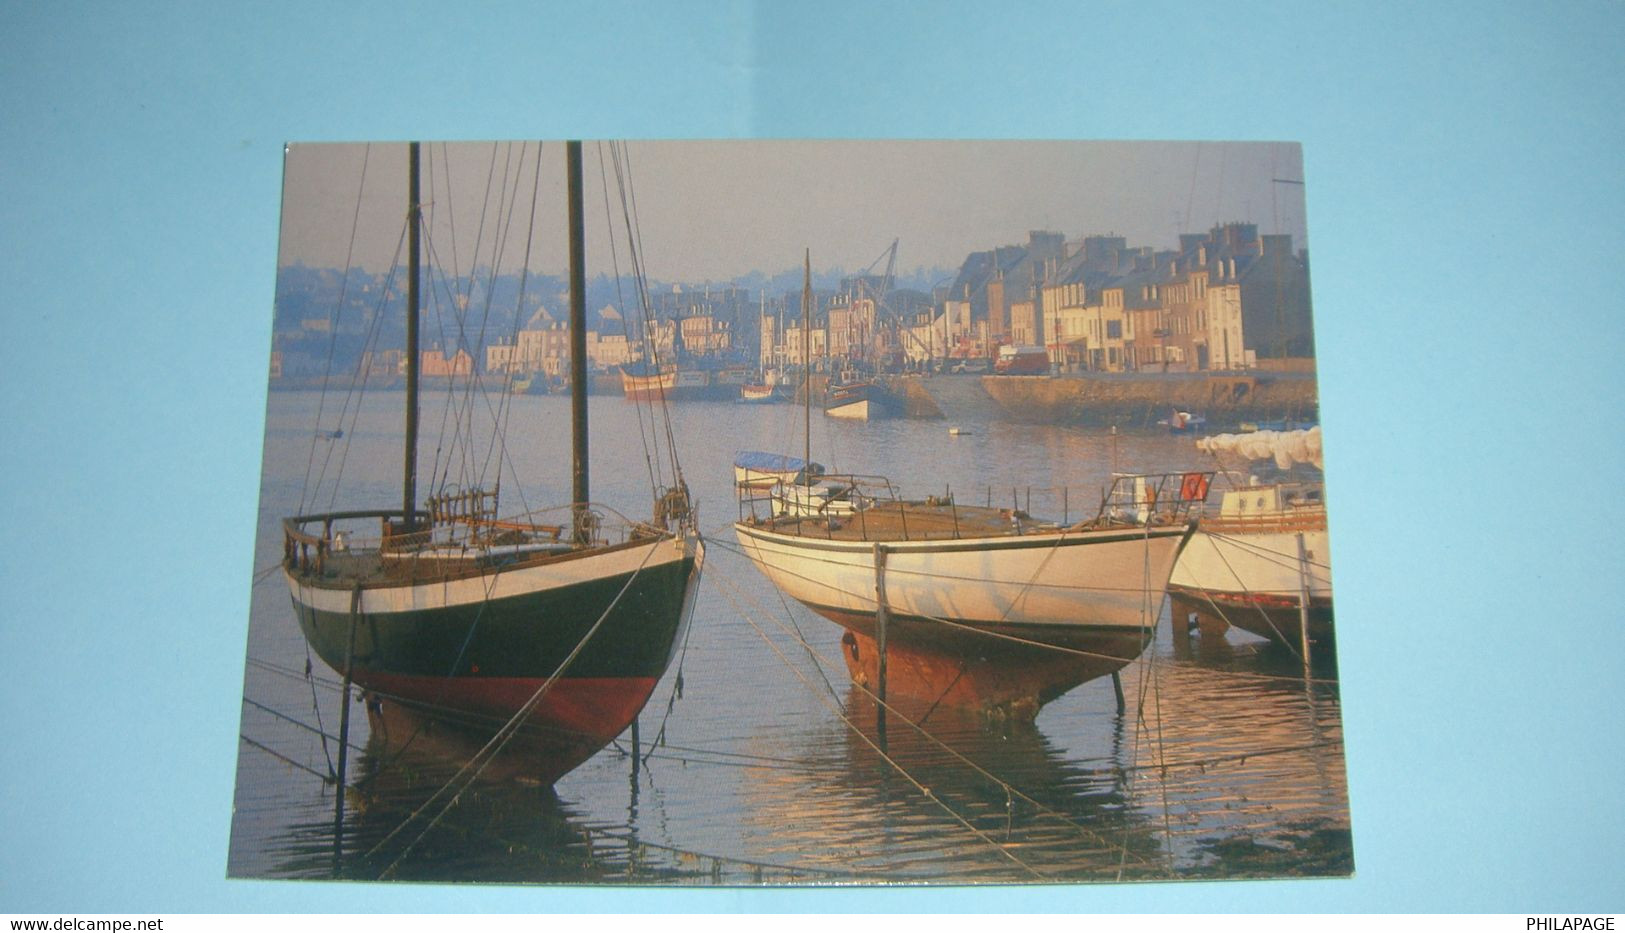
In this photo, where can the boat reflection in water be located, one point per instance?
(506, 824)
(953, 801)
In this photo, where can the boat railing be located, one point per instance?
(447, 533)
(1134, 499)
(1155, 498)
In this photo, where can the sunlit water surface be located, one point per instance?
(769, 767)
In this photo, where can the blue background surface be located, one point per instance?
(1468, 233)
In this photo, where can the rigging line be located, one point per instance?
(1261, 611)
(629, 840)
(499, 418)
(326, 778)
(500, 741)
(306, 726)
(818, 664)
(500, 414)
(469, 475)
(651, 345)
(1266, 555)
(903, 772)
(316, 707)
(948, 622)
(649, 461)
(357, 389)
(677, 683)
(1162, 745)
(745, 759)
(338, 310)
(465, 404)
(451, 212)
(502, 418)
(634, 233)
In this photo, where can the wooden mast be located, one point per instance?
(579, 495)
(806, 368)
(414, 224)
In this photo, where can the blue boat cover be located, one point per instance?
(771, 463)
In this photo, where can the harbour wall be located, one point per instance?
(1103, 399)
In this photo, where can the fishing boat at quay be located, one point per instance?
(856, 399)
(560, 621)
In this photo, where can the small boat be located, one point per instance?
(521, 385)
(665, 384)
(1183, 422)
(857, 400)
(560, 627)
(1253, 564)
(1263, 562)
(758, 470)
(1275, 424)
(757, 393)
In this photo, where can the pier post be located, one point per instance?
(880, 636)
(637, 750)
(1117, 688)
(344, 734)
(1303, 600)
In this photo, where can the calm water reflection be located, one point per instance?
(769, 765)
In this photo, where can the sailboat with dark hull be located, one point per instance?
(564, 626)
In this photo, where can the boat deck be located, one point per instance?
(916, 521)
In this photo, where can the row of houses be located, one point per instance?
(1225, 300)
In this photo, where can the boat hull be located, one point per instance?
(857, 410)
(1251, 579)
(484, 645)
(975, 623)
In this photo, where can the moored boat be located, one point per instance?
(758, 393)
(1253, 564)
(857, 400)
(988, 609)
(562, 624)
(1262, 563)
(758, 470)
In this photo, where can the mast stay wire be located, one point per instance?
(338, 311)
(650, 441)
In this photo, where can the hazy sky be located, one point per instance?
(716, 210)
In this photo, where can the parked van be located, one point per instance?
(1022, 361)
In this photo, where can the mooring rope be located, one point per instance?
(1004, 785)
(506, 734)
(893, 763)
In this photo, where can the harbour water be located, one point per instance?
(757, 761)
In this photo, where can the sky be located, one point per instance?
(716, 210)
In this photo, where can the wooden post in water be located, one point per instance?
(1303, 600)
(880, 636)
(636, 748)
(344, 734)
(1117, 688)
